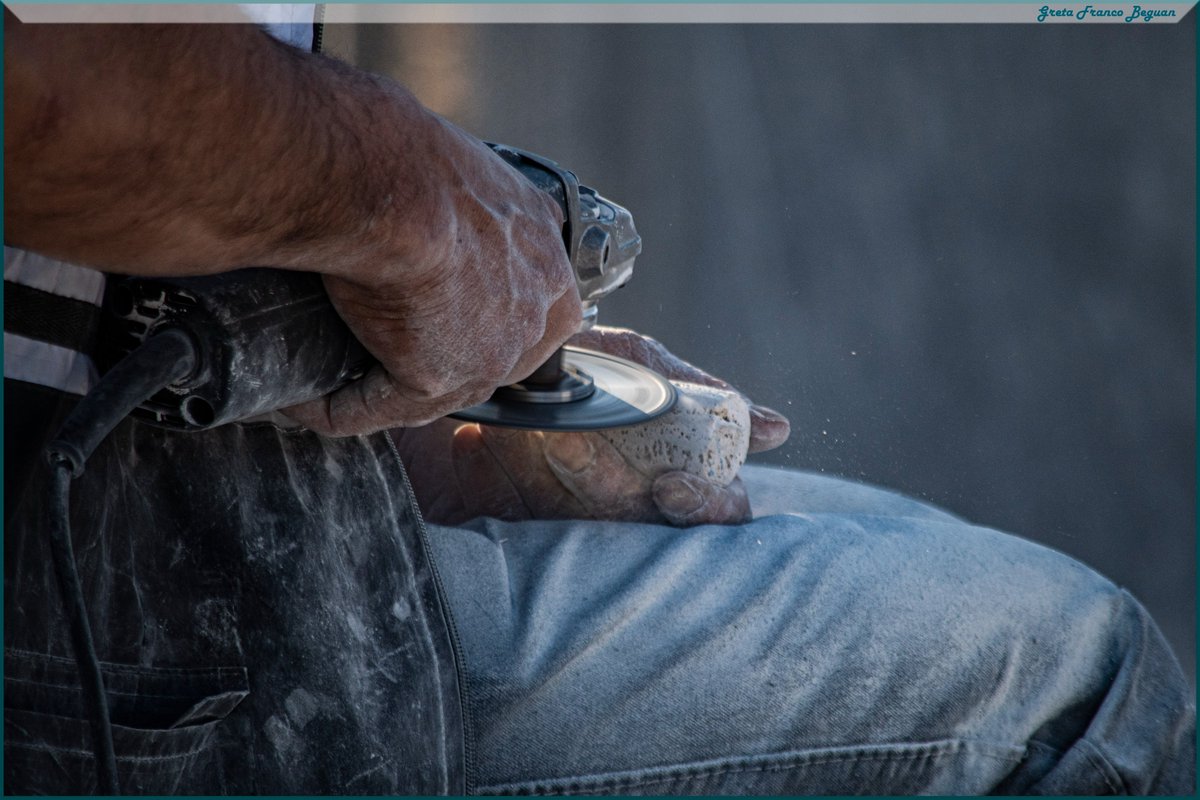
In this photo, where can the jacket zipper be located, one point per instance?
(455, 642)
(439, 588)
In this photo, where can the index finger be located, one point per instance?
(768, 428)
(375, 402)
(648, 352)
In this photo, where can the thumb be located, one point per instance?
(686, 500)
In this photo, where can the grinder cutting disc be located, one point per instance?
(624, 393)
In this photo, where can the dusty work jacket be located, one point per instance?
(265, 610)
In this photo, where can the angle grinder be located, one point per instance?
(267, 339)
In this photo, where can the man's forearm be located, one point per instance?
(190, 149)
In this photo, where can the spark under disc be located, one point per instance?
(625, 394)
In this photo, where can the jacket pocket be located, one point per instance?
(163, 719)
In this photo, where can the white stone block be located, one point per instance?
(706, 434)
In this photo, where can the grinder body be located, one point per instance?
(265, 339)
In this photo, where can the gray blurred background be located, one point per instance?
(960, 258)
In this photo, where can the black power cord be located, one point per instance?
(163, 359)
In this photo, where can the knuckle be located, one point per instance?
(472, 396)
(649, 344)
(629, 344)
(531, 331)
(549, 208)
(564, 275)
(572, 317)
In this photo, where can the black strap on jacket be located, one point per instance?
(51, 318)
(318, 28)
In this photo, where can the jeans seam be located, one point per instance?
(1098, 761)
(576, 785)
(1102, 765)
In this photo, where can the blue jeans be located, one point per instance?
(848, 640)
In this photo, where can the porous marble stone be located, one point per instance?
(707, 433)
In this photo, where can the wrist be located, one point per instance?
(375, 197)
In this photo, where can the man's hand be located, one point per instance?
(198, 149)
(461, 471)
(476, 296)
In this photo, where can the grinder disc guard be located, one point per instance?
(625, 394)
